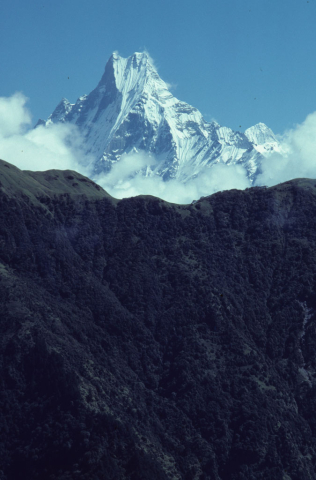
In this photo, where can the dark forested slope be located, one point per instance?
(145, 340)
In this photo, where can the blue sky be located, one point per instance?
(238, 62)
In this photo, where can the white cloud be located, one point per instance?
(120, 184)
(126, 168)
(298, 159)
(14, 116)
(56, 147)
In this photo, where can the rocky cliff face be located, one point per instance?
(132, 109)
(146, 340)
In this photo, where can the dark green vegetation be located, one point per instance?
(144, 340)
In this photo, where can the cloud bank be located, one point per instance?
(121, 184)
(57, 147)
(60, 147)
(298, 159)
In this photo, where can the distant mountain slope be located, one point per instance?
(145, 340)
(132, 109)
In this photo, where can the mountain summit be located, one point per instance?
(132, 110)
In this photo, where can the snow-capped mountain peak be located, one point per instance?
(132, 109)
(263, 139)
(133, 76)
(260, 134)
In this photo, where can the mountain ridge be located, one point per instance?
(145, 340)
(132, 110)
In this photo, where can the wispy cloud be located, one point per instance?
(209, 117)
(170, 86)
(150, 58)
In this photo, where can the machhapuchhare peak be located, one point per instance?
(132, 111)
